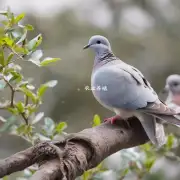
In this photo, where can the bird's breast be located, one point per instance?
(106, 89)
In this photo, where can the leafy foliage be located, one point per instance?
(15, 47)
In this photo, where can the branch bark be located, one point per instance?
(81, 151)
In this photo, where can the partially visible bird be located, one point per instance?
(172, 87)
(127, 92)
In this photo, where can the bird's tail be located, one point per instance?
(153, 128)
(170, 119)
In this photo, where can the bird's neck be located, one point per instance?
(103, 57)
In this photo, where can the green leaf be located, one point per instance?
(13, 110)
(2, 84)
(170, 141)
(24, 129)
(149, 163)
(19, 49)
(51, 83)
(35, 57)
(125, 172)
(2, 34)
(30, 86)
(47, 61)
(16, 77)
(22, 84)
(60, 127)
(146, 147)
(29, 27)
(31, 109)
(5, 178)
(42, 137)
(15, 34)
(49, 122)
(8, 41)
(27, 173)
(2, 119)
(4, 13)
(38, 117)
(2, 57)
(7, 125)
(29, 93)
(34, 43)
(23, 36)
(4, 104)
(19, 18)
(4, 22)
(42, 89)
(9, 58)
(49, 126)
(86, 175)
(20, 107)
(96, 120)
(10, 15)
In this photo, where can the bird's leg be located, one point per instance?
(112, 119)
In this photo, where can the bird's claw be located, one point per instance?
(112, 119)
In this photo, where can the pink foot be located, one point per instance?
(112, 119)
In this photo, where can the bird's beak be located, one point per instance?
(87, 46)
(166, 89)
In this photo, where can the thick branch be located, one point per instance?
(23, 159)
(82, 151)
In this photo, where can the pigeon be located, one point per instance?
(127, 92)
(172, 87)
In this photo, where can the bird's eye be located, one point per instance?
(98, 42)
(175, 84)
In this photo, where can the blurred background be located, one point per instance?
(143, 33)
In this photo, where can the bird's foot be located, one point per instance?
(112, 119)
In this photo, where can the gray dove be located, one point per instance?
(128, 92)
(172, 87)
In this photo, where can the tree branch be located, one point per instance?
(81, 151)
(23, 159)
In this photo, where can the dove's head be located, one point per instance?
(173, 84)
(99, 44)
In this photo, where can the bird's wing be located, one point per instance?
(128, 89)
(157, 107)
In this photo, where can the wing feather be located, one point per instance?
(132, 88)
(157, 107)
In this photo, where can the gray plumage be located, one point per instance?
(128, 92)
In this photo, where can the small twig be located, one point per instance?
(19, 56)
(12, 91)
(26, 99)
(12, 99)
(12, 50)
(24, 117)
(25, 103)
(11, 87)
